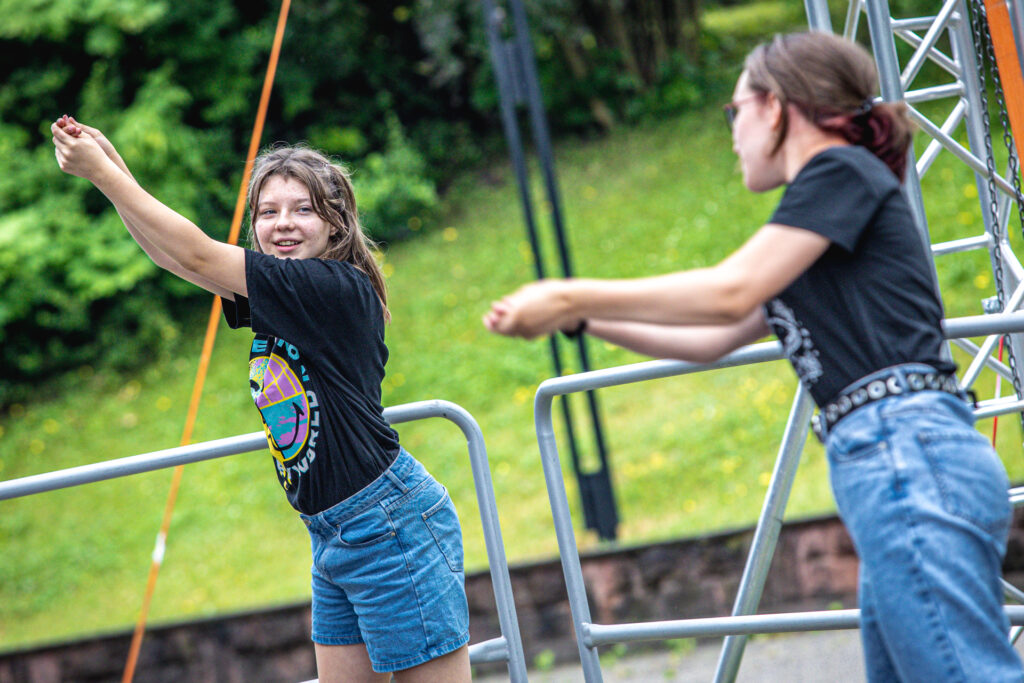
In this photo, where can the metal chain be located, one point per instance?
(985, 55)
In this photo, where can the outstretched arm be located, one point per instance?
(725, 294)
(170, 239)
(694, 343)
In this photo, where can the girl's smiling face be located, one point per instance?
(286, 225)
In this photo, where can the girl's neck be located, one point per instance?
(806, 147)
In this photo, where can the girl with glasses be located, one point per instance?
(840, 274)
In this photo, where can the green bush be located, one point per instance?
(74, 287)
(393, 194)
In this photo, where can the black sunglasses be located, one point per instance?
(732, 109)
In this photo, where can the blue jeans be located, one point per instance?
(387, 570)
(924, 498)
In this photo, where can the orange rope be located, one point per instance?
(1005, 48)
(204, 359)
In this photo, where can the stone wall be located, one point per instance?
(814, 568)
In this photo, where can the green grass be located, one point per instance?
(755, 20)
(690, 455)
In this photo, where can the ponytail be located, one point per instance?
(883, 128)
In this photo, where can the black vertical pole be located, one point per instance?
(516, 73)
(595, 485)
(507, 96)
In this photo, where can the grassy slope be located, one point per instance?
(690, 455)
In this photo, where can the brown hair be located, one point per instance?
(330, 191)
(831, 81)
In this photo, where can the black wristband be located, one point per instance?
(576, 331)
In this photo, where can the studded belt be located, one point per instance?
(885, 383)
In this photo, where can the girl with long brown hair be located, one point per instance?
(387, 575)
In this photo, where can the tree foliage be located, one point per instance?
(600, 61)
(403, 92)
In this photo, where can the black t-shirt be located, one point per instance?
(870, 300)
(315, 368)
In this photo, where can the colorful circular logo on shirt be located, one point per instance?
(282, 402)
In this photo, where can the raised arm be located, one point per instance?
(171, 240)
(75, 128)
(725, 294)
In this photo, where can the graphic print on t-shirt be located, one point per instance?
(797, 344)
(288, 410)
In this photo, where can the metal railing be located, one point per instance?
(590, 636)
(506, 648)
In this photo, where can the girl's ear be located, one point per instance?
(774, 110)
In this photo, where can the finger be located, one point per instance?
(491, 318)
(505, 325)
(493, 324)
(81, 126)
(62, 149)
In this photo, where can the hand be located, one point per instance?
(78, 153)
(74, 128)
(533, 310)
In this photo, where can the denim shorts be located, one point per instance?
(924, 498)
(387, 570)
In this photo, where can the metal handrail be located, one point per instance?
(791, 622)
(589, 635)
(507, 648)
